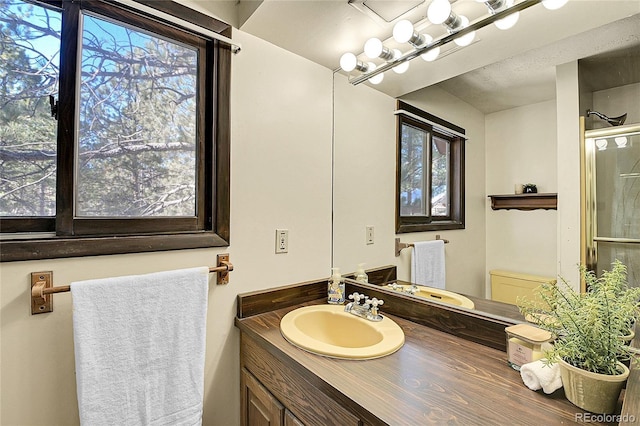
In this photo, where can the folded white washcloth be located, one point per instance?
(536, 375)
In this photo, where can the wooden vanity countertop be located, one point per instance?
(435, 378)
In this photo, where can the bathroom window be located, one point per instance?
(113, 124)
(430, 172)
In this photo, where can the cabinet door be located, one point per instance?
(259, 407)
(290, 419)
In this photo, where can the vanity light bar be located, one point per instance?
(437, 126)
(447, 38)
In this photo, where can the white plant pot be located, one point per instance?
(594, 392)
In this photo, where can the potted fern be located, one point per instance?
(589, 329)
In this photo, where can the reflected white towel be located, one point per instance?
(139, 348)
(427, 263)
(536, 375)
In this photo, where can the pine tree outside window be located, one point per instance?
(112, 125)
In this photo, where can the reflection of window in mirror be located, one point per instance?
(430, 172)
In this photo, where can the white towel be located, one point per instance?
(536, 376)
(427, 264)
(139, 347)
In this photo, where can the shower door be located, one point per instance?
(613, 199)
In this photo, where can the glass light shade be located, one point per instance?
(554, 4)
(601, 144)
(508, 22)
(403, 67)
(438, 11)
(621, 141)
(466, 39)
(373, 48)
(403, 31)
(432, 54)
(348, 62)
(376, 79)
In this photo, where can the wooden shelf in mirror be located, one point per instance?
(524, 201)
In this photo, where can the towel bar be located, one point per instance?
(400, 246)
(42, 285)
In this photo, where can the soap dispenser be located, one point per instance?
(361, 275)
(336, 288)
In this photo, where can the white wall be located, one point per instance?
(521, 148)
(364, 176)
(568, 157)
(280, 178)
(617, 101)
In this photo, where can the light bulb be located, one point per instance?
(601, 144)
(403, 31)
(621, 141)
(348, 62)
(403, 67)
(430, 55)
(554, 4)
(439, 11)
(373, 48)
(466, 39)
(508, 22)
(376, 79)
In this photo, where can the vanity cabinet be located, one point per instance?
(435, 378)
(274, 394)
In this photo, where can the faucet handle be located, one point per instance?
(356, 297)
(376, 302)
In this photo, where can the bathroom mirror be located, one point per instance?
(365, 158)
(502, 89)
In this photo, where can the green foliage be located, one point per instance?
(136, 148)
(588, 326)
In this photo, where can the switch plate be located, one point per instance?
(369, 234)
(282, 241)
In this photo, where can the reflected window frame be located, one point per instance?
(433, 126)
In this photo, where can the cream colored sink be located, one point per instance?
(439, 295)
(328, 330)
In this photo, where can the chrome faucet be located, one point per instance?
(368, 309)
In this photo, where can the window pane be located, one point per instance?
(29, 70)
(412, 179)
(137, 124)
(440, 176)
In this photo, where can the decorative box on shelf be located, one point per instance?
(524, 201)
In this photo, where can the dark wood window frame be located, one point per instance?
(28, 238)
(455, 219)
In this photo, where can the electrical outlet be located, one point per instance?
(282, 240)
(369, 234)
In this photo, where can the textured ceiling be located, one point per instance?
(611, 58)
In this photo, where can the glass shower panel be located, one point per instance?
(617, 203)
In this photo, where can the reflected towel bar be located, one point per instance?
(400, 246)
(42, 285)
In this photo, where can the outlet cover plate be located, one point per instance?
(282, 241)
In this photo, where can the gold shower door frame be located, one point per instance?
(588, 211)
